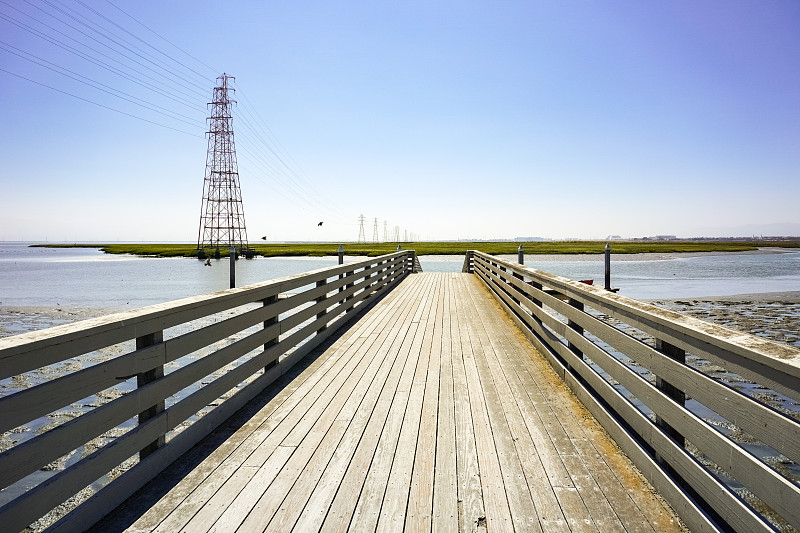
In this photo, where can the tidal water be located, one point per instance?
(83, 277)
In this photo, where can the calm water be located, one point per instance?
(89, 278)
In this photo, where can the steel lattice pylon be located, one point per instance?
(222, 212)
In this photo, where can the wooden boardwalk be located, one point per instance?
(433, 411)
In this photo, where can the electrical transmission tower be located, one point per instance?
(385, 231)
(222, 212)
(361, 236)
(397, 234)
(375, 231)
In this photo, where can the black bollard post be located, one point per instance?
(233, 267)
(608, 267)
(520, 255)
(341, 254)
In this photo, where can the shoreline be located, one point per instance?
(588, 248)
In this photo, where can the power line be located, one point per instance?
(89, 58)
(130, 50)
(96, 85)
(99, 14)
(122, 57)
(294, 176)
(212, 69)
(98, 104)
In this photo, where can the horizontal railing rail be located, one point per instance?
(627, 361)
(174, 364)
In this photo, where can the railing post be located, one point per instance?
(267, 323)
(321, 298)
(608, 267)
(468, 267)
(143, 379)
(521, 261)
(341, 262)
(575, 327)
(536, 302)
(233, 267)
(349, 274)
(676, 394)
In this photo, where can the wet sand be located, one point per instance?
(773, 315)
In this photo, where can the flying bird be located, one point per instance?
(264, 238)
(320, 224)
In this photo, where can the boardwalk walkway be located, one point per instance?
(432, 411)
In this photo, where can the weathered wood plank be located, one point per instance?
(257, 500)
(687, 467)
(354, 417)
(283, 501)
(562, 425)
(314, 512)
(428, 414)
(523, 512)
(420, 501)
(345, 503)
(368, 510)
(471, 511)
(445, 488)
(498, 514)
(533, 445)
(202, 485)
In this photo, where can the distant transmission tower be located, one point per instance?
(375, 231)
(385, 231)
(222, 212)
(397, 234)
(361, 237)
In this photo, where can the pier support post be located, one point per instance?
(233, 266)
(267, 323)
(608, 267)
(143, 379)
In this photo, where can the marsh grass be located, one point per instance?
(440, 248)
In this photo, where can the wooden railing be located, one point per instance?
(626, 361)
(194, 360)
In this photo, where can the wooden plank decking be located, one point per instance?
(431, 412)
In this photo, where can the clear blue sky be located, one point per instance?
(447, 119)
